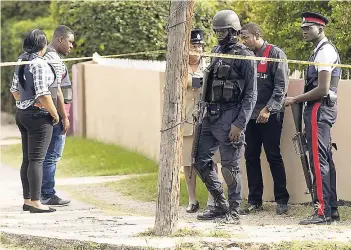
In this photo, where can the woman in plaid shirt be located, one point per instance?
(34, 87)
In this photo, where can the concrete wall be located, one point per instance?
(123, 106)
(128, 109)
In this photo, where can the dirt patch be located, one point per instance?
(111, 199)
(102, 196)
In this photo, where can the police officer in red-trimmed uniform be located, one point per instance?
(320, 98)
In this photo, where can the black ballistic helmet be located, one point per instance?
(226, 19)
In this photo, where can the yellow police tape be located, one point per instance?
(256, 58)
(4, 64)
(240, 57)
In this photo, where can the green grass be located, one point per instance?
(11, 155)
(84, 157)
(308, 245)
(182, 232)
(219, 234)
(292, 245)
(188, 232)
(144, 188)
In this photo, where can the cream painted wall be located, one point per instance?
(123, 106)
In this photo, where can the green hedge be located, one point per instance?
(17, 18)
(116, 27)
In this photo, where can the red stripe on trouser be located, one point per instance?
(315, 156)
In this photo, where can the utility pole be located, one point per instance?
(179, 26)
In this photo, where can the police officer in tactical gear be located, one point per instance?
(320, 94)
(231, 96)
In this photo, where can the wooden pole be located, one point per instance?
(179, 26)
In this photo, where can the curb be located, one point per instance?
(46, 243)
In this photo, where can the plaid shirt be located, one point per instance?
(43, 77)
(59, 66)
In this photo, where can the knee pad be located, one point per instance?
(230, 175)
(203, 171)
(212, 183)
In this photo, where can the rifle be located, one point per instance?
(198, 117)
(300, 145)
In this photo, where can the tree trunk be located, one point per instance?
(167, 207)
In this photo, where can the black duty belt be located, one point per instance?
(322, 101)
(222, 106)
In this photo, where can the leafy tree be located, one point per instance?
(281, 21)
(17, 18)
(339, 28)
(118, 27)
(22, 10)
(115, 27)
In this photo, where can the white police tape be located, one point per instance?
(240, 57)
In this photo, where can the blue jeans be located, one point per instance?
(53, 155)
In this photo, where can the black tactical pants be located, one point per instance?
(213, 135)
(267, 134)
(319, 119)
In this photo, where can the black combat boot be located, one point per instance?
(234, 211)
(220, 210)
(211, 214)
(251, 208)
(335, 214)
(282, 209)
(316, 219)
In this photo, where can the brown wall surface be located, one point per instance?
(123, 106)
(127, 110)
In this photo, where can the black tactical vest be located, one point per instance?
(311, 76)
(225, 86)
(28, 92)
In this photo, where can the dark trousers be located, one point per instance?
(35, 126)
(267, 134)
(319, 119)
(215, 135)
